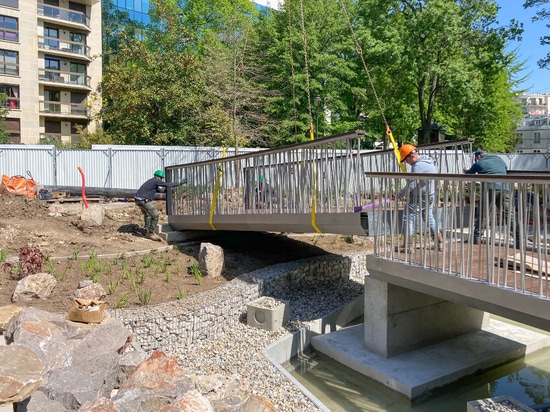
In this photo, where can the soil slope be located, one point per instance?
(133, 270)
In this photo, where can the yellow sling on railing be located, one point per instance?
(396, 150)
(314, 197)
(215, 194)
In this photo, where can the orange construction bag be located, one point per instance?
(19, 185)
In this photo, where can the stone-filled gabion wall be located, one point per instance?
(207, 315)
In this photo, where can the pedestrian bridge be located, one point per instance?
(330, 185)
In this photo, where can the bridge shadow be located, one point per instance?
(246, 252)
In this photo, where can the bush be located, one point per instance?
(31, 260)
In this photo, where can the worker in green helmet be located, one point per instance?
(144, 200)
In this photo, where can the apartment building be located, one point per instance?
(534, 130)
(50, 62)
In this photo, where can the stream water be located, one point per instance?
(344, 390)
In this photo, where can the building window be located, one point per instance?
(13, 128)
(536, 137)
(10, 3)
(77, 13)
(51, 101)
(51, 37)
(52, 69)
(78, 73)
(8, 28)
(78, 43)
(9, 62)
(12, 96)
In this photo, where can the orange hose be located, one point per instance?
(83, 187)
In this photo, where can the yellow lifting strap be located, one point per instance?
(314, 196)
(396, 150)
(216, 191)
(311, 134)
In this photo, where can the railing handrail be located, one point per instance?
(540, 177)
(284, 149)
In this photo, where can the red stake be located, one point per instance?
(83, 187)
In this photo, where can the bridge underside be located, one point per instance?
(339, 223)
(505, 302)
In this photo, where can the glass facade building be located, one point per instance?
(137, 9)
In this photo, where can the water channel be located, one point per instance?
(343, 390)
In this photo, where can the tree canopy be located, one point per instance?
(218, 72)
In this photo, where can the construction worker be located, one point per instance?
(264, 194)
(420, 193)
(498, 195)
(144, 200)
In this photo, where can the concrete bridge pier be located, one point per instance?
(399, 320)
(414, 343)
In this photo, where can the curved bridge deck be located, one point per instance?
(331, 186)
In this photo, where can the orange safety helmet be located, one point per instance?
(405, 150)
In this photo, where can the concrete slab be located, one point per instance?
(169, 235)
(418, 372)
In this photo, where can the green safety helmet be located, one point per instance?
(159, 173)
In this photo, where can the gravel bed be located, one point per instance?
(240, 351)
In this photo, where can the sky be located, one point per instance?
(529, 49)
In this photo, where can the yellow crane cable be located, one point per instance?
(360, 53)
(215, 193)
(311, 134)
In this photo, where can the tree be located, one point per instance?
(184, 81)
(309, 57)
(543, 14)
(434, 52)
(234, 75)
(493, 130)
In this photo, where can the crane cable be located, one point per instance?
(360, 53)
(311, 135)
(304, 42)
(291, 52)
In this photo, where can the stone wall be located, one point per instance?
(207, 315)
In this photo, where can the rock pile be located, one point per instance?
(52, 364)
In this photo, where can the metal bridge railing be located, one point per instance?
(513, 249)
(320, 176)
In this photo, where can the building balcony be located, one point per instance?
(67, 17)
(59, 109)
(66, 79)
(66, 48)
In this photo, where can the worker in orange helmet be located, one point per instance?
(420, 194)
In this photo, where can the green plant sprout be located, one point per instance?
(3, 255)
(195, 270)
(144, 297)
(122, 302)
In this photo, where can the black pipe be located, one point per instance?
(96, 191)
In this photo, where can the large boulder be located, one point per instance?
(211, 259)
(21, 372)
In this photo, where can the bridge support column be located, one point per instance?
(399, 320)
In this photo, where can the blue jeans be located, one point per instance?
(419, 210)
